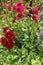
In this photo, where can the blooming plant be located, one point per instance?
(21, 32)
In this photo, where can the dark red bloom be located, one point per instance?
(8, 44)
(4, 5)
(9, 8)
(8, 39)
(35, 19)
(10, 35)
(5, 29)
(36, 10)
(4, 12)
(9, 5)
(20, 15)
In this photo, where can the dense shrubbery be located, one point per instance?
(21, 32)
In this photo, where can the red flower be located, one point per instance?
(4, 12)
(19, 7)
(9, 8)
(4, 5)
(8, 44)
(5, 29)
(35, 10)
(9, 5)
(8, 39)
(20, 15)
(10, 35)
(35, 19)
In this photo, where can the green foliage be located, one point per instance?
(26, 50)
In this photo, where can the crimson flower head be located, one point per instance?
(6, 43)
(4, 5)
(9, 5)
(8, 39)
(4, 12)
(19, 7)
(10, 35)
(20, 15)
(35, 19)
(5, 29)
(36, 10)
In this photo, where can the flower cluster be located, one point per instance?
(35, 17)
(19, 7)
(8, 39)
(8, 5)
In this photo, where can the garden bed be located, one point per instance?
(21, 32)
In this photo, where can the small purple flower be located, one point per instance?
(41, 8)
(41, 16)
(41, 34)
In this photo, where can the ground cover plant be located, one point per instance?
(21, 32)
